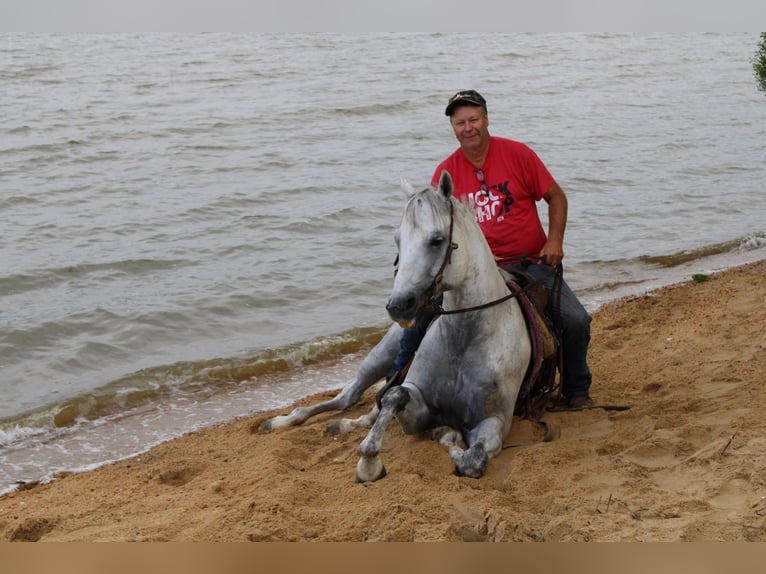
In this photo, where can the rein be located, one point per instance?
(439, 310)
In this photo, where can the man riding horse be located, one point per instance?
(503, 179)
(473, 359)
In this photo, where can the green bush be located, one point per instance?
(759, 63)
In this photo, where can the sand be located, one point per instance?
(686, 462)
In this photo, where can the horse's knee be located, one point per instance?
(395, 398)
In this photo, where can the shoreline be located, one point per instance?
(109, 439)
(683, 463)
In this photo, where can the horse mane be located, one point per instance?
(431, 195)
(438, 204)
(432, 198)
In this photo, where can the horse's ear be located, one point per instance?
(445, 184)
(407, 188)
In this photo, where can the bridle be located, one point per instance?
(430, 300)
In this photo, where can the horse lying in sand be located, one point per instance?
(469, 367)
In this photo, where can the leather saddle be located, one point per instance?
(540, 380)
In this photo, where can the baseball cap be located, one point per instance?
(470, 97)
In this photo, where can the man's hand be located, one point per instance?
(552, 253)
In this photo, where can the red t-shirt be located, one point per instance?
(507, 211)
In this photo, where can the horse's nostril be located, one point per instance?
(402, 306)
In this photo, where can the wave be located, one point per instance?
(373, 109)
(47, 278)
(187, 381)
(18, 73)
(600, 281)
(751, 241)
(17, 200)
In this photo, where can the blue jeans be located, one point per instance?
(574, 325)
(411, 339)
(575, 331)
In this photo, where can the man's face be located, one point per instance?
(471, 126)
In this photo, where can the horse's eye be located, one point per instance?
(436, 241)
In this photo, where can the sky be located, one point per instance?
(380, 15)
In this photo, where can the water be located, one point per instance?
(199, 227)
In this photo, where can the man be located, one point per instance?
(503, 179)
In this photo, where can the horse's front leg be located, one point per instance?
(406, 404)
(485, 441)
(370, 467)
(374, 367)
(343, 400)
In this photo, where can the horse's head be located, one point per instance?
(425, 240)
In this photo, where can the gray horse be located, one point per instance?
(469, 368)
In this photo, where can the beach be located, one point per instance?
(686, 461)
(178, 254)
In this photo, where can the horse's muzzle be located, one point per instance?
(402, 308)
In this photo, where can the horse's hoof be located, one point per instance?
(333, 428)
(279, 422)
(370, 469)
(472, 462)
(446, 436)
